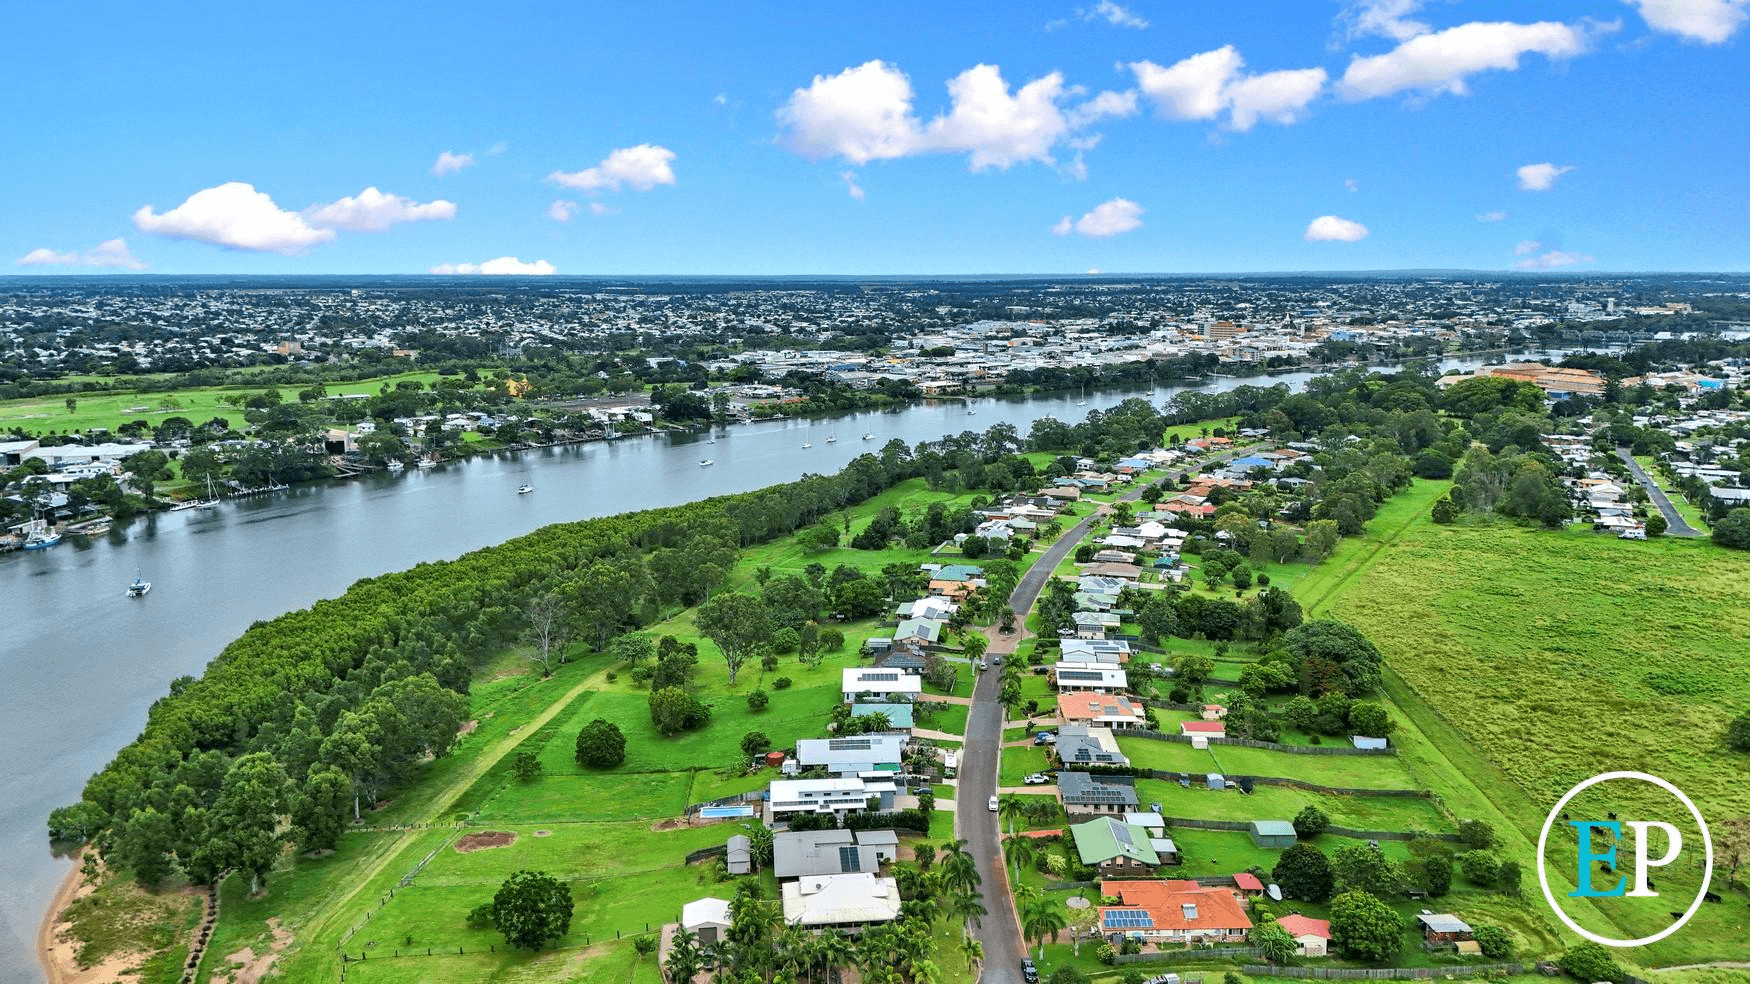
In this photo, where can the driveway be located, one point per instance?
(1675, 524)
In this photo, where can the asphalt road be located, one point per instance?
(980, 760)
(1675, 524)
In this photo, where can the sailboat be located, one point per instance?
(212, 498)
(140, 586)
(869, 436)
(1084, 400)
(527, 486)
(832, 438)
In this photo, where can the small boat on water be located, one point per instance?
(706, 462)
(140, 586)
(38, 536)
(525, 489)
(832, 439)
(394, 465)
(868, 437)
(807, 444)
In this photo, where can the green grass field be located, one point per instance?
(1523, 661)
(41, 415)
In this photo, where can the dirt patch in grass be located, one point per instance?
(467, 728)
(253, 968)
(485, 840)
(672, 823)
(543, 833)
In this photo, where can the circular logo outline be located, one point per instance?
(1700, 893)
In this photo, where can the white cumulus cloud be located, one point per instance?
(1332, 229)
(597, 208)
(1549, 259)
(866, 113)
(1387, 18)
(640, 168)
(503, 266)
(1495, 216)
(448, 163)
(852, 188)
(109, 253)
(1540, 177)
(561, 210)
(234, 214)
(1707, 21)
(1527, 247)
(375, 211)
(1440, 62)
(1109, 218)
(1113, 14)
(862, 114)
(1203, 85)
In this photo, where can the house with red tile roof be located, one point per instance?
(1312, 935)
(1104, 710)
(1172, 912)
(1208, 729)
(1248, 884)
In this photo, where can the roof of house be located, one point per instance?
(826, 900)
(1202, 728)
(958, 572)
(1248, 882)
(705, 912)
(1104, 838)
(1273, 828)
(740, 844)
(1298, 926)
(1083, 706)
(1083, 789)
(1443, 922)
(852, 750)
(1171, 905)
(802, 853)
(898, 715)
(857, 678)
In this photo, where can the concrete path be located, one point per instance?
(1675, 524)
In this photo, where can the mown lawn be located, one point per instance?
(1282, 803)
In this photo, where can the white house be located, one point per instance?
(708, 918)
(880, 684)
(1099, 678)
(839, 795)
(845, 902)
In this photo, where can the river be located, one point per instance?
(80, 664)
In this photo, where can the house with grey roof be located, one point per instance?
(804, 853)
(1081, 744)
(852, 756)
(1085, 794)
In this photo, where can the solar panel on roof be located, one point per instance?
(1128, 919)
(1122, 834)
(851, 744)
(850, 859)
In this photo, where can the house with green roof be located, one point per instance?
(1116, 848)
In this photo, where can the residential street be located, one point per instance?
(980, 762)
(1675, 523)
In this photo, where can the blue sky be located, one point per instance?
(1147, 136)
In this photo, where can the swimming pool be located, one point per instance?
(724, 812)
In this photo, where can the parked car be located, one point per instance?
(1029, 973)
(1044, 738)
(998, 660)
(993, 804)
(1037, 779)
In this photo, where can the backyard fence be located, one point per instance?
(1187, 956)
(1244, 826)
(1311, 787)
(1385, 973)
(1272, 746)
(717, 850)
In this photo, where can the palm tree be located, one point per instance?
(1043, 918)
(967, 908)
(974, 950)
(683, 956)
(1021, 850)
(925, 854)
(959, 871)
(926, 972)
(835, 951)
(1011, 808)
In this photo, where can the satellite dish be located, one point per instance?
(1274, 891)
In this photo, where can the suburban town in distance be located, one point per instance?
(1104, 492)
